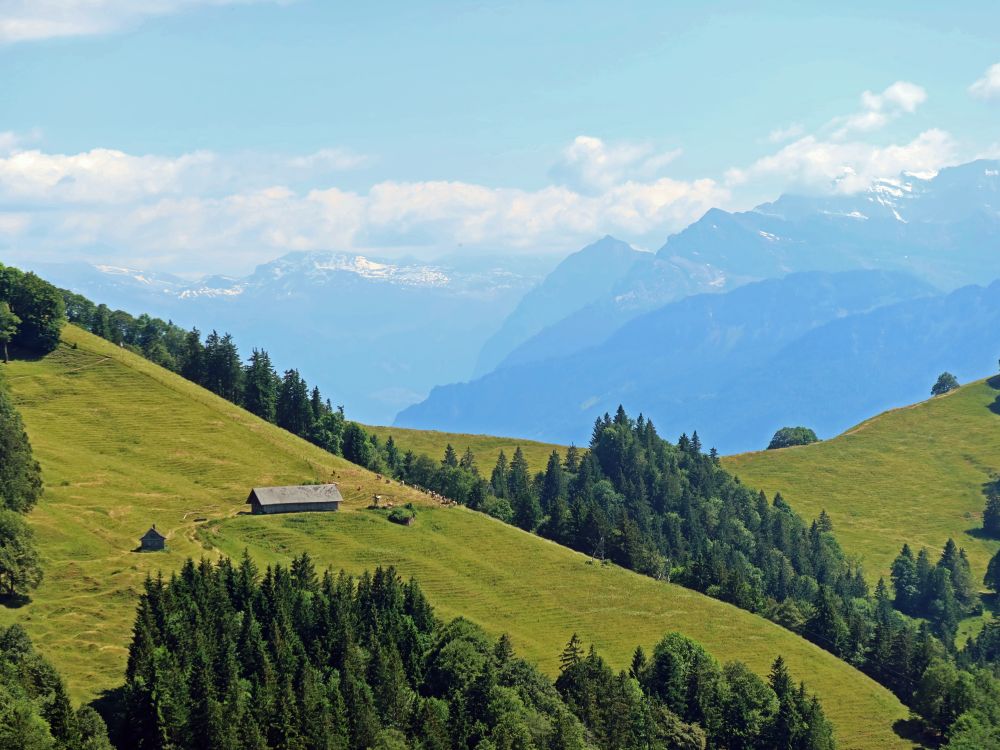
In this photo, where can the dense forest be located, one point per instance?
(226, 657)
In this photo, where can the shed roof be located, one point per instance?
(153, 534)
(306, 493)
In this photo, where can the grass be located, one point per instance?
(486, 448)
(124, 444)
(913, 475)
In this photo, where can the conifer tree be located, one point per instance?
(468, 462)
(261, 383)
(905, 581)
(499, 477)
(553, 485)
(572, 654)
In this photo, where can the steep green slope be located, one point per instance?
(485, 447)
(913, 475)
(123, 444)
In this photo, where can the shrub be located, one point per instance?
(788, 436)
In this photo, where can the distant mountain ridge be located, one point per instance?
(374, 334)
(820, 349)
(943, 228)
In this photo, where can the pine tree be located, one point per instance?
(638, 665)
(499, 477)
(905, 581)
(527, 512)
(294, 411)
(261, 383)
(468, 462)
(553, 485)
(450, 457)
(572, 463)
(193, 357)
(955, 561)
(572, 654)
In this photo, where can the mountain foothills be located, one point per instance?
(113, 464)
(665, 510)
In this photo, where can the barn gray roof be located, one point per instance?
(153, 534)
(306, 493)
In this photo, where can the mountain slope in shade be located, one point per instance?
(943, 228)
(678, 365)
(583, 277)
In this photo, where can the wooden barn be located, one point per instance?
(300, 499)
(152, 540)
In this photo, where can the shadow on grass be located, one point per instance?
(110, 704)
(991, 603)
(914, 730)
(977, 532)
(14, 601)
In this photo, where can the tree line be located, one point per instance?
(226, 656)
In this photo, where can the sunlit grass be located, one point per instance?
(124, 444)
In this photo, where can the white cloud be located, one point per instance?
(780, 135)
(206, 212)
(987, 87)
(847, 167)
(902, 97)
(31, 20)
(591, 165)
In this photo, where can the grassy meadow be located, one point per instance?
(124, 444)
(912, 475)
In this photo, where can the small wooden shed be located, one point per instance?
(296, 499)
(152, 540)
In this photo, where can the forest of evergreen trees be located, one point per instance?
(224, 656)
(35, 711)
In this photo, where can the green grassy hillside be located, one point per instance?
(911, 475)
(485, 447)
(124, 444)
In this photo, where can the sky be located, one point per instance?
(206, 136)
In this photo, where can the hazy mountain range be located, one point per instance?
(676, 360)
(674, 333)
(374, 335)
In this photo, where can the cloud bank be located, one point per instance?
(206, 212)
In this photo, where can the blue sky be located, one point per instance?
(197, 136)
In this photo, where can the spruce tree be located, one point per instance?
(905, 581)
(499, 477)
(261, 383)
(572, 654)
